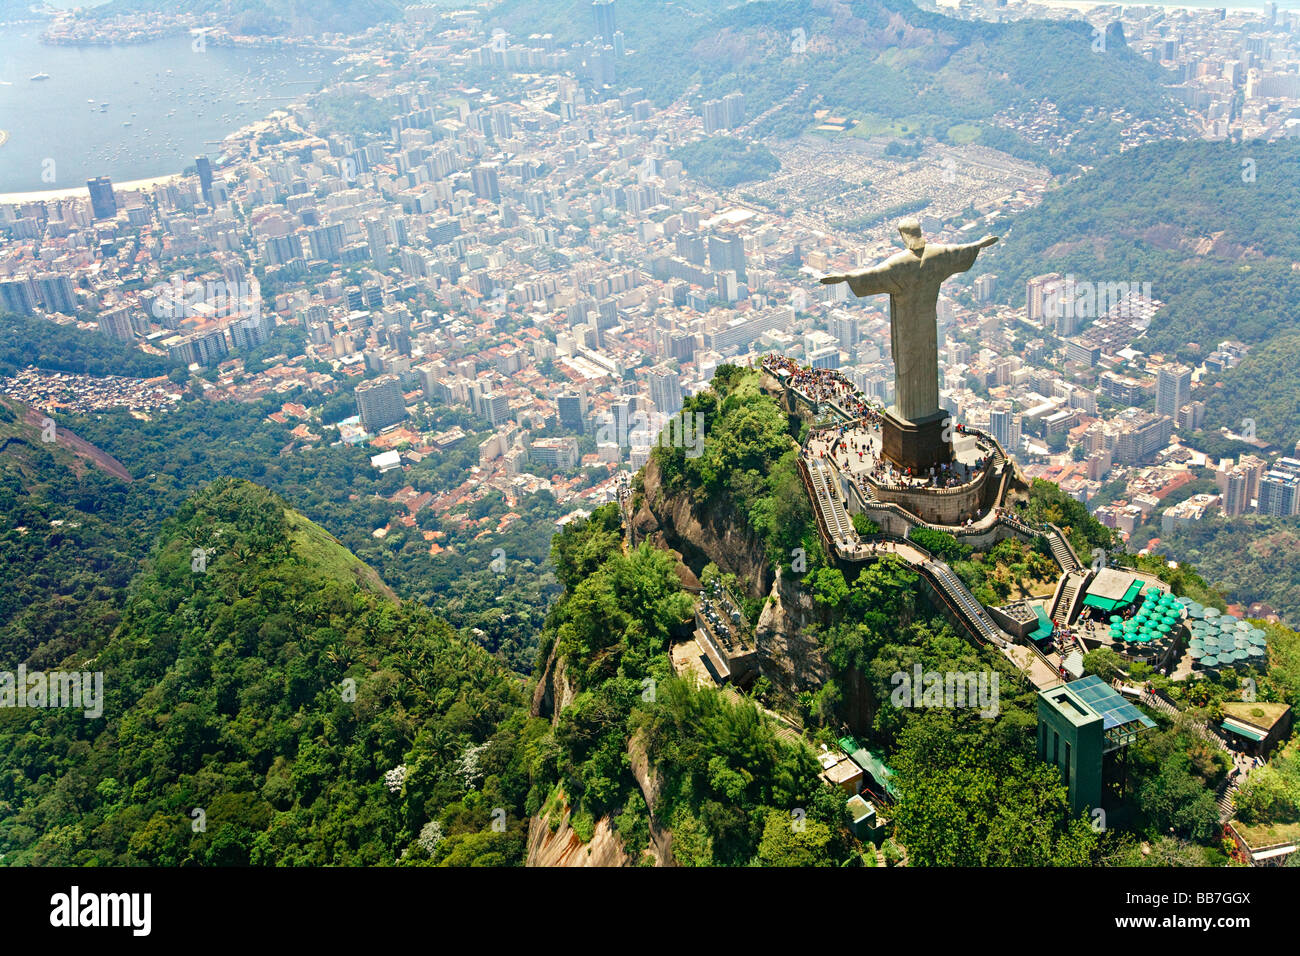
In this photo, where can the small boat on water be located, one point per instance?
(40, 76)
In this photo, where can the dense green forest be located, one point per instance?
(275, 706)
(72, 537)
(27, 340)
(1251, 557)
(353, 115)
(884, 58)
(1264, 387)
(723, 161)
(336, 486)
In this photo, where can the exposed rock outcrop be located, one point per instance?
(553, 691)
(788, 657)
(699, 534)
(661, 838)
(563, 846)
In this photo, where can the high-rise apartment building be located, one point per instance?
(1173, 389)
(605, 20)
(204, 168)
(573, 410)
(486, 182)
(103, 203)
(380, 403)
(665, 389)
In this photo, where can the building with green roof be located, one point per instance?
(1078, 724)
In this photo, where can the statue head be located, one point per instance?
(911, 232)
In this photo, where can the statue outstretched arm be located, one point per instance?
(959, 258)
(873, 280)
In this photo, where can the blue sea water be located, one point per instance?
(132, 111)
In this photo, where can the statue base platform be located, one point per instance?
(918, 445)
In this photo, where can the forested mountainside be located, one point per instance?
(71, 539)
(270, 703)
(879, 61)
(267, 700)
(1210, 226)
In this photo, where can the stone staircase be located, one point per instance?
(1069, 594)
(1064, 601)
(1157, 702)
(1061, 550)
(1160, 704)
(1226, 798)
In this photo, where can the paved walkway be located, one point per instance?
(1039, 672)
(861, 456)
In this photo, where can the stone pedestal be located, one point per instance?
(918, 445)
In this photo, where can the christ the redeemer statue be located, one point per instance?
(912, 279)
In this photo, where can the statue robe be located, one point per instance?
(912, 282)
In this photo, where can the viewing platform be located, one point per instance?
(964, 495)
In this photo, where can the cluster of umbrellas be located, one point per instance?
(1225, 640)
(1159, 614)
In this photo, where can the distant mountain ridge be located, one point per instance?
(270, 17)
(947, 78)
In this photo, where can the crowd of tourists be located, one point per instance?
(825, 385)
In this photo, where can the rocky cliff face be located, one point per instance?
(563, 847)
(698, 535)
(661, 838)
(554, 691)
(788, 656)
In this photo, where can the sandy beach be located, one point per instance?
(81, 192)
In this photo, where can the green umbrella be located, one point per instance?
(1196, 652)
(1209, 661)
